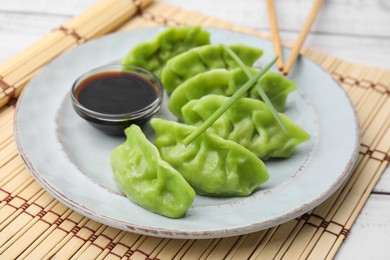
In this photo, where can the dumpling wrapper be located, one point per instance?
(250, 123)
(204, 58)
(146, 179)
(227, 82)
(152, 55)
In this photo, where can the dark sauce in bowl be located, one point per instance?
(113, 99)
(116, 92)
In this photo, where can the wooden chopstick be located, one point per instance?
(302, 36)
(275, 33)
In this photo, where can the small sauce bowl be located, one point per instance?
(112, 97)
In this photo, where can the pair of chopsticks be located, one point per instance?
(301, 37)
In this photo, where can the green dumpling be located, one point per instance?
(152, 55)
(212, 165)
(277, 87)
(250, 123)
(146, 179)
(204, 58)
(227, 82)
(217, 81)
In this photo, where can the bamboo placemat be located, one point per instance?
(34, 225)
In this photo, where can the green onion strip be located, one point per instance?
(258, 87)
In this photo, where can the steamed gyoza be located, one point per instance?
(153, 55)
(148, 180)
(211, 165)
(248, 122)
(204, 58)
(226, 82)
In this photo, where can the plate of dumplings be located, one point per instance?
(274, 154)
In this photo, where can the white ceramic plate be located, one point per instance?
(70, 159)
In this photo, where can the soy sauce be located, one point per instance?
(116, 92)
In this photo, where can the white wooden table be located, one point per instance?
(356, 31)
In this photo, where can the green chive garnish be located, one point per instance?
(263, 95)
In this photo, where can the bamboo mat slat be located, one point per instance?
(33, 225)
